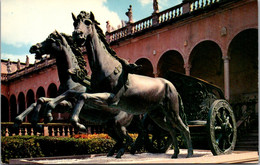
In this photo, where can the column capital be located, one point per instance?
(187, 66)
(225, 58)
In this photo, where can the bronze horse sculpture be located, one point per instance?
(61, 47)
(113, 87)
(52, 45)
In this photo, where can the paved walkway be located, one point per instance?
(200, 156)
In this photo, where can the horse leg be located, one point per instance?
(171, 110)
(41, 102)
(175, 143)
(54, 102)
(142, 134)
(19, 119)
(185, 130)
(122, 133)
(96, 98)
(162, 122)
(112, 133)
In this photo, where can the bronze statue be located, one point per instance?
(113, 87)
(62, 48)
(155, 6)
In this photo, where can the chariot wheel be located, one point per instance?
(221, 127)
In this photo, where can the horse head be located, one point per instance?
(83, 27)
(52, 45)
(68, 57)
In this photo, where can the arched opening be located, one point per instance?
(21, 102)
(146, 69)
(171, 60)
(207, 64)
(243, 66)
(52, 91)
(30, 97)
(30, 100)
(4, 109)
(40, 92)
(13, 107)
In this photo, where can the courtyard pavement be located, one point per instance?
(200, 156)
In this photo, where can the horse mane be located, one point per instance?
(79, 56)
(83, 16)
(104, 41)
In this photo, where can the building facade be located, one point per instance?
(216, 41)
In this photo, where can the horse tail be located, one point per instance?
(181, 111)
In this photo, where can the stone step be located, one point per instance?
(249, 142)
(254, 142)
(250, 138)
(246, 148)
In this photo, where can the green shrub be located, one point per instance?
(18, 147)
(62, 146)
(39, 146)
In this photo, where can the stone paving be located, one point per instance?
(200, 156)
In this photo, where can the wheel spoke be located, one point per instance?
(229, 139)
(219, 118)
(218, 139)
(217, 128)
(224, 115)
(224, 144)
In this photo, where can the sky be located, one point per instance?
(27, 22)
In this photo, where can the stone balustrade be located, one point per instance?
(51, 129)
(31, 68)
(142, 24)
(200, 4)
(170, 14)
(120, 33)
(157, 19)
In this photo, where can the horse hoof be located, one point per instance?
(82, 128)
(132, 152)
(174, 156)
(110, 154)
(118, 156)
(18, 121)
(189, 154)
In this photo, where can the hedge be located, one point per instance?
(41, 146)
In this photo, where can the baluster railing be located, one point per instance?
(158, 18)
(170, 13)
(51, 129)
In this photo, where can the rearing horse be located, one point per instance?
(113, 87)
(60, 47)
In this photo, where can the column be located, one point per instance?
(187, 68)
(226, 77)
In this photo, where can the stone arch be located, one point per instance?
(52, 91)
(147, 67)
(243, 65)
(40, 92)
(21, 102)
(170, 60)
(30, 98)
(4, 109)
(206, 63)
(13, 107)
